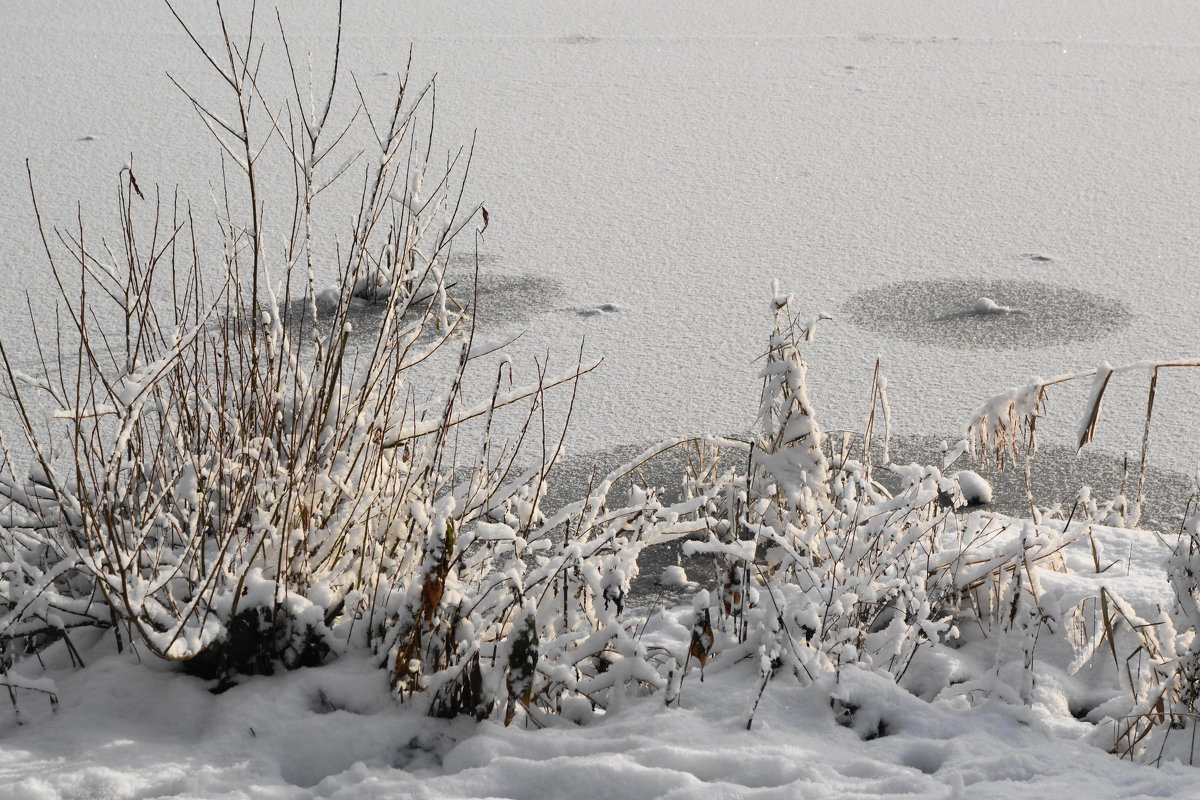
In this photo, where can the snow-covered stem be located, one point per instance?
(819, 567)
(1008, 421)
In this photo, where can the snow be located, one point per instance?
(721, 149)
(126, 729)
(675, 575)
(986, 305)
(665, 161)
(975, 487)
(603, 308)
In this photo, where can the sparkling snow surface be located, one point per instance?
(648, 169)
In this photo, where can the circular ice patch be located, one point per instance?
(989, 315)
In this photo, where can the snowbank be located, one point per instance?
(125, 729)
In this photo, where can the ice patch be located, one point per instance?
(986, 314)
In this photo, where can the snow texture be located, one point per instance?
(837, 146)
(126, 729)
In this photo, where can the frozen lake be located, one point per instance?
(889, 163)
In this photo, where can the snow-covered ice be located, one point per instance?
(674, 159)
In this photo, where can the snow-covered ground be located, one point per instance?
(130, 730)
(649, 168)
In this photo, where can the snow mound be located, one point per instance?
(986, 305)
(675, 576)
(974, 486)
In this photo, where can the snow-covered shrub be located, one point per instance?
(1183, 662)
(820, 566)
(250, 475)
(1005, 428)
(509, 613)
(1153, 653)
(230, 470)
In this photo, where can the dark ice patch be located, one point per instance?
(945, 313)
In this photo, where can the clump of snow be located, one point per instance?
(975, 488)
(486, 345)
(593, 311)
(675, 576)
(986, 305)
